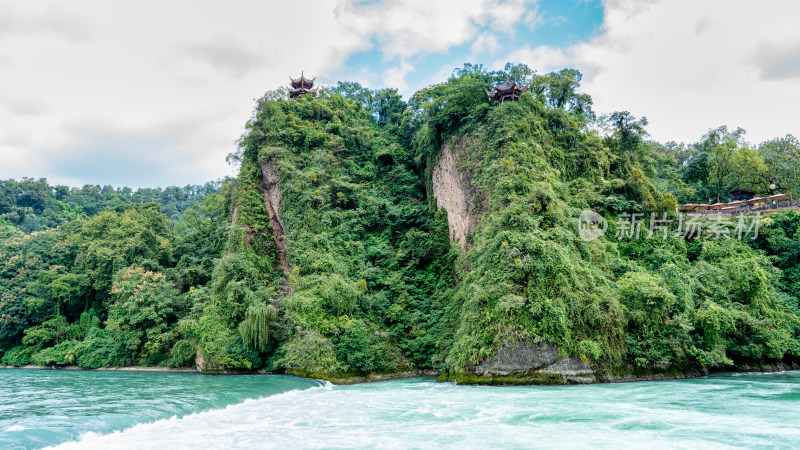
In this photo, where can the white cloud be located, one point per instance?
(408, 28)
(226, 54)
(32, 19)
(139, 69)
(396, 76)
(778, 60)
(543, 59)
(180, 77)
(532, 18)
(485, 42)
(690, 66)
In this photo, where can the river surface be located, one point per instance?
(81, 409)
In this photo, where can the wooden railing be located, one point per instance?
(748, 208)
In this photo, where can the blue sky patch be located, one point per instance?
(559, 23)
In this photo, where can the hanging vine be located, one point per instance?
(254, 329)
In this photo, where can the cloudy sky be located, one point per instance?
(154, 93)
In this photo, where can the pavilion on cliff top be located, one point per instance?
(301, 86)
(506, 91)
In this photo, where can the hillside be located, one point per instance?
(366, 236)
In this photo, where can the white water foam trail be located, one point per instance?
(209, 429)
(402, 414)
(325, 383)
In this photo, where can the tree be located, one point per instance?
(751, 172)
(560, 90)
(696, 168)
(782, 158)
(628, 130)
(143, 304)
(626, 139)
(137, 235)
(387, 107)
(254, 329)
(354, 92)
(55, 288)
(13, 318)
(469, 70)
(520, 73)
(722, 146)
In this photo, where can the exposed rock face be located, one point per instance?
(270, 182)
(453, 192)
(573, 370)
(345, 378)
(538, 362)
(519, 357)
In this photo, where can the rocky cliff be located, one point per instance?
(270, 183)
(349, 212)
(452, 188)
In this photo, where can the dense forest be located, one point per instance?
(329, 253)
(34, 205)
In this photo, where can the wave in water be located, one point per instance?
(717, 411)
(47, 407)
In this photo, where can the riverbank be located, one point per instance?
(577, 376)
(345, 378)
(548, 377)
(109, 369)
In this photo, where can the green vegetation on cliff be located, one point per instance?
(328, 254)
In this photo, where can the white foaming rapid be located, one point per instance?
(421, 413)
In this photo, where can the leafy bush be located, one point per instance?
(309, 351)
(65, 353)
(365, 350)
(182, 354)
(17, 356)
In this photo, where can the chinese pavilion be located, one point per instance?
(302, 86)
(505, 91)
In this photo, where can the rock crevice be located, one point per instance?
(270, 182)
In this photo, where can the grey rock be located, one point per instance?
(519, 357)
(569, 367)
(452, 188)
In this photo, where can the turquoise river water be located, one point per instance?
(82, 409)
